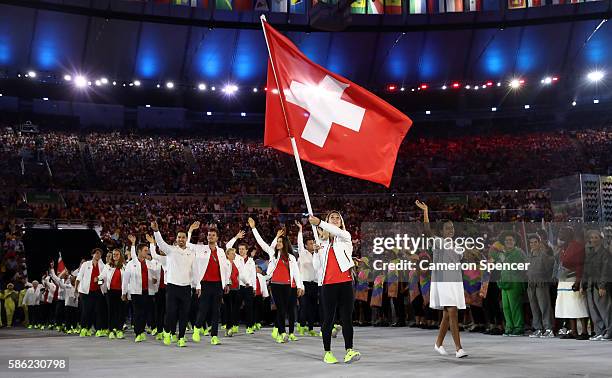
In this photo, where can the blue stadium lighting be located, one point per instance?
(136, 83)
(595, 76)
(67, 77)
(32, 74)
(230, 89)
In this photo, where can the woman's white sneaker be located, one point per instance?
(461, 353)
(440, 349)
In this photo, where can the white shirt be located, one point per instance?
(307, 270)
(178, 260)
(58, 282)
(32, 296)
(162, 261)
(247, 273)
(84, 276)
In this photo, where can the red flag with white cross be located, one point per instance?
(337, 124)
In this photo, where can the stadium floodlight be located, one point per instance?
(243, 114)
(80, 81)
(230, 89)
(424, 86)
(547, 80)
(213, 88)
(202, 86)
(255, 90)
(104, 81)
(402, 89)
(114, 83)
(467, 86)
(515, 83)
(493, 109)
(574, 103)
(527, 106)
(595, 76)
(428, 112)
(67, 77)
(476, 87)
(158, 86)
(595, 101)
(137, 83)
(147, 106)
(169, 85)
(444, 87)
(208, 113)
(98, 83)
(32, 74)
(45, 98)
(456, 85)
(499, 84)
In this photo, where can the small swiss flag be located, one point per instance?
(337, 124)
(60, 264)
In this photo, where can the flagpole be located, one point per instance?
(296, 154)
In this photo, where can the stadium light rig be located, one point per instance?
(80, 81)
(202, 86)
(170, 85)
(595, 76)
(456, 85)
(516, 83)
(137, 83)
(230, 89)
(391, 87)
(67, 77)
(32, 74)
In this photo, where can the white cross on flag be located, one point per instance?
(336, 124)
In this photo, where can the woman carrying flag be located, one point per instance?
(333, 262)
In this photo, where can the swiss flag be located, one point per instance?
(337, 124)
(60, 264)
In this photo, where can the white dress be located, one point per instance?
(446, 285)
(570, 304)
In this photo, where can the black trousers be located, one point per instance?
(490, 305)
(92, 310)
(143, 305)
(59, 311)
(178, 301)
(309, 304)
(400, 309)
(160, 309)
(116, 310)
(43, 314)
(340, 296)
(72, 316)
(258, 303)
(285, 299)
(247, 295)
(209, 304)
(103, 315)
(33, 314)
(232, 308)
(150, 315)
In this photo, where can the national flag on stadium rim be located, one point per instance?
(261, 5)
(297, 6)
(418, 7)
(60, 264)
(336, 124)
(476, 5)
(433, 6)
(243, 5)
(393, 6)
(375, 7)
(451, 5)
(223, 5)
(358, 7)
(279, 6)
(517, 4)
(535, 3)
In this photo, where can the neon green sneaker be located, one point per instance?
(320, 334)
(159, 336)
(257, 326)
(313, 333)
(112, 336)
(69, 331)
(229, 332)
(329, 358)
(83, 333)
(282, 338)
(292, 337)
(300, 330)
(105, 332)
(274, 333)
(335, 330)
(196, 335)
(249, 331)
(89, 333)
(181, 343)
(141, 337)
(30, 326)
(206, 331)
(119, 334)
(214, 340)
(224, 326)
(174, 338)
(351, 356)
(99, 333)
(154, 332)
(235, 330)
(167, 339)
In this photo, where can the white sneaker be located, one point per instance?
(461, 353)
(563, 331)
(596, 338)
(440, 349)
(537, 333)
(548, 334)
